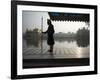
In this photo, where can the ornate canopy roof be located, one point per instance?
(57, 16)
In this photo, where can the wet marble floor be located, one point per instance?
(36, 53)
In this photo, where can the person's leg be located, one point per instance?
(51, 48)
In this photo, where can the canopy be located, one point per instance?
(57, 16)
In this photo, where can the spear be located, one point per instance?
(41, 35)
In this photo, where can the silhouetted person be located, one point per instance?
(50, 31)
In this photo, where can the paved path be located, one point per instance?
(35, 53)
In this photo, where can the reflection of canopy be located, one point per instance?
(55, 16)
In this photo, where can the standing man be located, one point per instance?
(50, 38)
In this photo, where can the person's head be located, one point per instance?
(48, 21)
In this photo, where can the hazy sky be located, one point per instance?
(32, 19)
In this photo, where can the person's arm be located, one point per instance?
(45, 32)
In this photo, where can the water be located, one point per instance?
(58, 43)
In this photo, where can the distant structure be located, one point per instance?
(65, 35)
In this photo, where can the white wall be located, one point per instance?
(5, 29)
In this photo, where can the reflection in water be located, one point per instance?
(65, 39)
(66, 42)
(82, 42)
(35, 42)
(32, 37)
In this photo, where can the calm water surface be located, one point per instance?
(58, 44)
